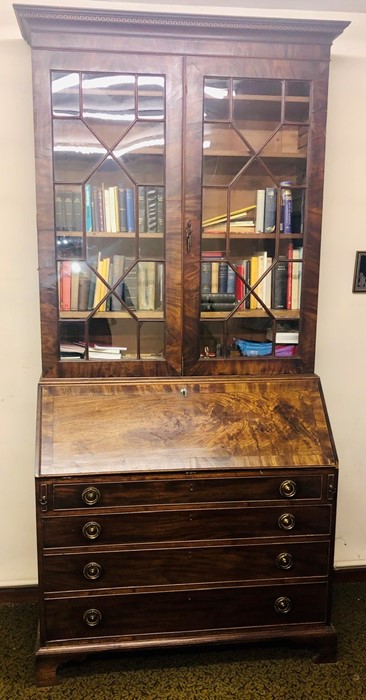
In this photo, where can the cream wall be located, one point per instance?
(341, 343)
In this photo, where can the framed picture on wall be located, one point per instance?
(359, 277)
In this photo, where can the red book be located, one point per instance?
(65, 285)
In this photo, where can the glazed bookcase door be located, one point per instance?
(113, 226)
(247, 238)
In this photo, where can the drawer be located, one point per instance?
(186, 525)
(188, 611)
(184, 565)
(193, 490)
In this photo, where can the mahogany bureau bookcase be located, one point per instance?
(186, 473)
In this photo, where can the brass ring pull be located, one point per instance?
(92, 571)
(92, 530)
(91, 495)
(282, 605)
(92, 617)
(284, 560)
(288, 488)
(286, 521)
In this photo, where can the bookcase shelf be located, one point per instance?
(280, 314)
(152, 314)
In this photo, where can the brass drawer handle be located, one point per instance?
(282, 605)
(92, 617)
(92, 530)
(286, 521)
(288, 488)
(92, 571)
(284, 560)
(91, 495)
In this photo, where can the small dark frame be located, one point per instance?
(359, 278)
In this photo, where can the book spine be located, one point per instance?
(88, 208)
(231, 278)
(280, 286)
(161, 208)
(68, 210)
(130, 284)
(142, 208)
(206, 277)
(65, 285)
(286, 207)
(222, 277)
(60, 222)
(76, 211)
(239, 284)
(218, 298)
(270, 210)
(208, 306)
(130, 209)
(122, 209)
(290, 269)
(259, 219)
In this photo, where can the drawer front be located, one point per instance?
(193, 490)
(184, 611)
(186, 525)
(185, 565)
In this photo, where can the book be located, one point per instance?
(215, 277)
(88, 208)
(130, 209)
(206, 276)
(231, 278)
(280, 285)
(84, 283)
(289, 294)
(74, 293)
(253, 280)
(130, 284)
(270, 210)
(122, 209)
(222, 281)
(117, 272)
(141, 199)
(259, 219)
(286, 207)
(68, 210)
(218, 298)
(65, 285)
(219, 306)
(77, 218)
(146, 286)
(222, 218)
(290, 336)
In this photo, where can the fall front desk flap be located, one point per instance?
(103, 426)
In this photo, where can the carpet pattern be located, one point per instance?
(267, 671)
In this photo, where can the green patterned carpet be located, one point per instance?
(268, 672)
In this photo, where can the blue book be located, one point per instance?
(231, 280)
(130, 209)
(270, 210)
(88, 208)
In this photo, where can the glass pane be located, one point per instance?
(76, 286)
(222, 148)
(216, 103)
(112, 339)
(257, 109)
(72, 340)
(65, 94)
(151, 340)
(108, 104)
(211, 337)
(68, 210)
(150, 96)
(297, 101)
(286, 335)
(109, 200)
(149, 286)
(76, 151)
(142, 153)
(285, 155)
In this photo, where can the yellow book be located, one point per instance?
(237, 214)
(253, 279)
